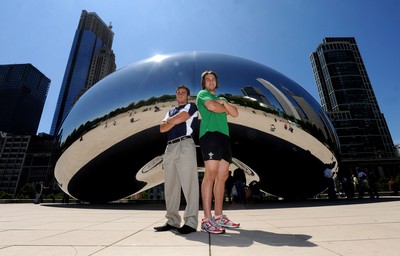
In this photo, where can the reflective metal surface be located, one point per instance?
(110, 146)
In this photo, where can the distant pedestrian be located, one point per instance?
(354, 179)
(393, 186)
(372, 180)
(229, 183)
(39, 187)
(363, 183)
(65, 199)
(328, 174)
(240, 183)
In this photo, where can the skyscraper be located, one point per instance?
(25, 159)
(91, 59)
(347, 97)
(23, 92)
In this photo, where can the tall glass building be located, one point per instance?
(91, 59)
(23, 92)
(347, 97)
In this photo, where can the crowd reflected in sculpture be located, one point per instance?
(110, 147)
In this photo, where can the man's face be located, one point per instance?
(182, 96)
(210, 82)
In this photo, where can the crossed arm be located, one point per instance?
(181, 117)
(220, 106)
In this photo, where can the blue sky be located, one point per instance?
(278, 33)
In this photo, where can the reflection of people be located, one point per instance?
(216, 151)
(180, 164)
(39, 187)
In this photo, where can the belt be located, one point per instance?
(178, 139)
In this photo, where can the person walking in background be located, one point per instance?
(393, 186)
(240, 183)
(216, 151)
(354, 179)
(39, 187)
(328, 174)
(229, 183)
(372, 181)
(363, 183)
(180, 164)
(348, 187)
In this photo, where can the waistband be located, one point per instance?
(179, 139)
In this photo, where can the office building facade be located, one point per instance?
(347, 96)
(23, 92)
(91, 59)
(25, 159)
(13, 150)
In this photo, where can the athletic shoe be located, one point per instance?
(225, 222)
(210, 226)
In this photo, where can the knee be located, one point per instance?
(209, 178)
(223, 176)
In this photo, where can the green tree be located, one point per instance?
(26, 192)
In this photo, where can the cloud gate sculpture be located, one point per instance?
(110, 147)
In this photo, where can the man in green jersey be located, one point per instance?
(216, 151)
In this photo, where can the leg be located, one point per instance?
(219, 187)
(36, 201)
(210, 174)
(172, 187)
(219, 190)
(188, 175)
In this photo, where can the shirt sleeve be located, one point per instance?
(203, 96)
(191, 108)
(166, 117)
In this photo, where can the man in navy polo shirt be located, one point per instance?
(180, 164)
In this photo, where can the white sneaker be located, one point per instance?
(210, 226)
(225, 222)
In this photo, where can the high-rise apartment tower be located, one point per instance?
(347, 97)
(91, 59)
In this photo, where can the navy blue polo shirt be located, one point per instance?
(185, 128)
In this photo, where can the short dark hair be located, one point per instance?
(183, 87)
(206, 73)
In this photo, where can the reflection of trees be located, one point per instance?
(317, 133)
(236, 99)
(76, 134)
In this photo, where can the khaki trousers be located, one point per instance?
(181, 174)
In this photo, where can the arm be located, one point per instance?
(181, 117)
(231, 110)
(221, 106)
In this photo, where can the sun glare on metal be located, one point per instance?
(158, 58)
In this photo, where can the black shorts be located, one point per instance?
(215, 146)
